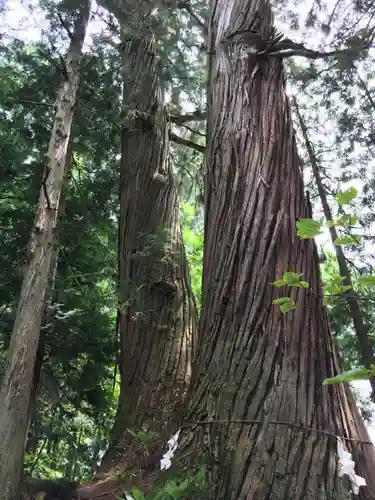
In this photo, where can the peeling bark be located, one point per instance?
(253, 363)
(157, 315)
(18, 379)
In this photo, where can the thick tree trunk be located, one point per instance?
(255, 366)
(18, 379)
(157, 317)
(361, 329)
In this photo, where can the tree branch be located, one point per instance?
(185, 4)
(65, 25)
(189, 117)
(185, 142)
(300, 50)
(27, 101)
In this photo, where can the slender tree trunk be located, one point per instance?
(18, 379)
(157, 316)
(365, 345)
(258, 378)
(39, 359)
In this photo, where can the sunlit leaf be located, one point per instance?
(136, 494)
(308, 228)
(279, 283)
(288, 306)
(291, 278)
(347, 239)
(303, 284)
(357, 374)
(281, 300)
(366, 280)
(344, 221)
(345, 197)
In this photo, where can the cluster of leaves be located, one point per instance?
(334, 286)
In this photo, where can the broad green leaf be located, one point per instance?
(345, 197)
(281, 300)
(366, 280)
(348, 239)
(137, 494)
(308, 228)
(288, 306)
(344, 220)
(291, 278)
(303, 284)
(336, 288)
(357, 374)
(279, 283)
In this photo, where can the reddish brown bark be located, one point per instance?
(157, 311)
(253, 362)
(17, 383)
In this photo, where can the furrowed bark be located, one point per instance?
(361, 329)
(253, 363)
(18, 379)
(157, 316)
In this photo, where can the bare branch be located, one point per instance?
(27, 101)
(185, 142)
(300, 50)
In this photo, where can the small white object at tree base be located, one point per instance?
(347, 465)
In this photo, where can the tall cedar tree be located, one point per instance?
(255, 366)
(17, 384)
(157, 314)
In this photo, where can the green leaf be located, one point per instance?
(357, 374)
(171, 488)
(366, 280)
(308, 228)
(303, 284)
(137, 494)
(279, 283)
(281, 300)
(344, 220)
(345, 197)
(291, 278)
(288, 306)
(348, 239)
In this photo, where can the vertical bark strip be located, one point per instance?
(254, 363)
(361, 329)
(157, 314)
(18, 379)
